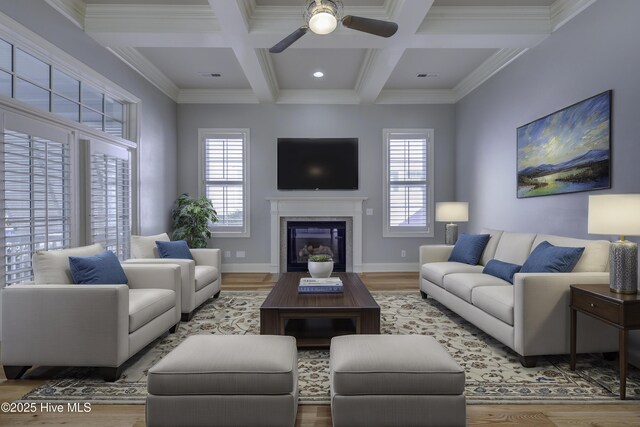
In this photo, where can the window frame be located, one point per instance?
(396, 231)
(205, 133)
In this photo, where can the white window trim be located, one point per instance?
(427, 231)
(202, 134)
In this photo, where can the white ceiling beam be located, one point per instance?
(380, 63)
(73, 10)
(562, 11)
(256, 64)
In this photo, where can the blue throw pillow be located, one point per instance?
(176, 249)
(469, 247)
(101, 269)
(546, 258)
(502, 270)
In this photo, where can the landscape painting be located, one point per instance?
(566, 151)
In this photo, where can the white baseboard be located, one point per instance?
(246, 268)
(391, 267)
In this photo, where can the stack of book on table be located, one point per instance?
(309, 285)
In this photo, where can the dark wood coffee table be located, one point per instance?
(313, 319)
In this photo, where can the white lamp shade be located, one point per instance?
(614, 214)
(323, 23)
(452, 211)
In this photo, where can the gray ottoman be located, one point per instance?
(395, 380)
(225, 380)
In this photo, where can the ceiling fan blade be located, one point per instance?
(289, 40)
(371, 26)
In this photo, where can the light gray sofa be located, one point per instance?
(200, 276)
(54, 322)
(531, 316)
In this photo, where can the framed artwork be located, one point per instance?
(567, 151)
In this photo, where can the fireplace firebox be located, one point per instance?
(306, 238)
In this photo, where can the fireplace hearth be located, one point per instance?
(305, 238)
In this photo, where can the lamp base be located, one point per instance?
(450, 234)
(623, 264)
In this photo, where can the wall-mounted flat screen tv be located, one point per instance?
(317, 163)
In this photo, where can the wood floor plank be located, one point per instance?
(624, 414)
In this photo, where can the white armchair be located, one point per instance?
(54, 322)
(200, 276)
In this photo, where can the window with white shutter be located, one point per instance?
(110, 197)
(224, 178)
(35, 194)
(408, 166)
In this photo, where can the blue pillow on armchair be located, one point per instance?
(176, 249)
(101, 269)
(502, 270)
(469, 247)
(547, 258)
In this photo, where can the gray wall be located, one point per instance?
(157, 185)
(596, 51)
(269, 122)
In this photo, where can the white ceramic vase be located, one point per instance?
(319, 270)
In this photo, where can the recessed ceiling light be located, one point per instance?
(422, 75)
(318, 74)
(208, 74)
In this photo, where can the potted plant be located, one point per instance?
(320, 266)
(192, 218)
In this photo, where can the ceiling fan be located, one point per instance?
(322, 16)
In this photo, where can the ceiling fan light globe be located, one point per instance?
(323, 23)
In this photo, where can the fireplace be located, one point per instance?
(306, 238)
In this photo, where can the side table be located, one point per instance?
(619, 310)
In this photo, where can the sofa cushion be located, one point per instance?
(147, 304)
(204, 275)
(101, 269)
(145, 246)
(227, 365)
(52, 267)
(547, 258)
(490, 250)
(496, 301)
(502, 270)
(469, 247)
(594, 258)
(462, 284)
(435, 271)
(177, 249)
(514, 247)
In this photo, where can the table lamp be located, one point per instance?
(618, 214)
(452, 211)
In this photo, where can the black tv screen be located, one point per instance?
(317, 163)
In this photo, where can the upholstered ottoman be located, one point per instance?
(395, 380)
(225, 380)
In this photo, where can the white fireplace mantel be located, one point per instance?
(316, 207)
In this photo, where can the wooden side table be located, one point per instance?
(618, 310)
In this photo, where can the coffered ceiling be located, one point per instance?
(216, 51)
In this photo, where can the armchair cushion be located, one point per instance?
(101, 269)
(144, 246)
(147, 304)
(205, 275)
(176, 249)
(52, 267)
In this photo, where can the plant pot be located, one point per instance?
(319, 270)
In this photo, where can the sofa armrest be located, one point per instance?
(434, 253)
(154, 276)
(209, 257)
(65, 325)
(541, 311)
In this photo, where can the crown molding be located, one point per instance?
(411, 96)
(217, 96)
(73, 10)
(318, 96)
(562, 11)
(486, 20)
(150, 18)
(146, 69)
(488, 68)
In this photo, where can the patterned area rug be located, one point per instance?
(493, 373)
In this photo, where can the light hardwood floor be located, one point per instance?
(616, 414)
